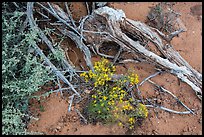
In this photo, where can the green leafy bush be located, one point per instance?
(22, 72)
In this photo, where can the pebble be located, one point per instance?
(165, 120)
(200, 120)
(189, 129)
(58, 127)
(159, 101)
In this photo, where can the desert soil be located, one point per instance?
(52, 111)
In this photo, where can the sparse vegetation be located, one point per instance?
(111, 101)
(22, 73)
(39, 39)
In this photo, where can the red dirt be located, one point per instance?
(56, 120)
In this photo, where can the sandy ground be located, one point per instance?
(54, 118)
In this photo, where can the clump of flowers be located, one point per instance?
(103, 72)
(110, 99)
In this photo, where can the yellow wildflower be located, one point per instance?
(120, 124)
(104, 97)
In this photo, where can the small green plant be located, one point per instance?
(42, 109)
(22, 73)
(111, 100)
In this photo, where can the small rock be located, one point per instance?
(58, 127)
(157, 93)
(154, 132)
(189, 128)
(165, 120)
(87, 91)
(159, 101)
(200, 120)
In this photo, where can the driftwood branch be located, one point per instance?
(117, 24)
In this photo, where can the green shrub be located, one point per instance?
(111, 102)
(22, 72)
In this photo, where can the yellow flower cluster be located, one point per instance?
(142, 110)
(131, 120)
(120, 124)
(103, 72)
(133, 78)
(127, 106)
(85, 75)
(104, 66)
(112, 99)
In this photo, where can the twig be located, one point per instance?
(43, 36)
(168, 110)
(60, 19)
(54, 69)
(79, 44)
(60, 88)
(55, 24)
(87, 7)
(104, 55)
(128, 60)
(165, 90)
(70, 15)
(139, 93)
(81, 25)
(117, 55)
(79, 113)
(169, 37)
(175, 33)
(15, 4)
(39, 51)
(133, 96)
(52, 8)
(96, 32)
(34, 133)
(151, 76)
(70, 102)
(46, 17)
(93, 6)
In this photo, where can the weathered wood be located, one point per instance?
(109, 21)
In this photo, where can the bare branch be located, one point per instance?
(70, 15)
(168, 110)
(60, 19)
(165, 90)
(151, 76)
(79, 113)
(70, 102)
(87, 7)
